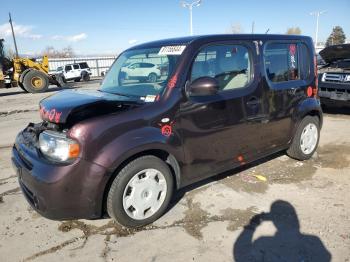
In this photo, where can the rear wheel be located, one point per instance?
(306, 139)
(35, 81)
(152, 77)
(141, 192)
(85, 77)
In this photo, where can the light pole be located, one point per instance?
(317, 14)
(190, 7)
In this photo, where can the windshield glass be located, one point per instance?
(141, 74)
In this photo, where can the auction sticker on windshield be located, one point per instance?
(172, 50)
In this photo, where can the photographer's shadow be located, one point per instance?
(288, 244)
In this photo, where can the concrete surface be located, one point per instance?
(306, 204)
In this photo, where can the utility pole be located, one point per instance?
(190, 7)
(13, 35)
(317, 14)
(253, 25)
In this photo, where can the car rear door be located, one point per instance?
(288, 73)
(218, 130)
(68, 72)
(76, 70)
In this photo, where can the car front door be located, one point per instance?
(134, 70)
(218, 130)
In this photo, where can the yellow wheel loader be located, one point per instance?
(30, 75)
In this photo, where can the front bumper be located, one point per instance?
(334, 91)
(58, 191)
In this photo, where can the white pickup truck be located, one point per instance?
(76, 72)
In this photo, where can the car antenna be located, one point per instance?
(268, 29)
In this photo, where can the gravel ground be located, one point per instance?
(305, 204)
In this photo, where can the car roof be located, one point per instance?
(219, 37)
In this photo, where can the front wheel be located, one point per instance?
(141, 192)
(35, 81)
(306, 139)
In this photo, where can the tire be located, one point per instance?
(35, 82)
(61, 81)
(85, 77)
(152, 78)
(77, 80)
(120, 188)
(296, 150)
(22, 87)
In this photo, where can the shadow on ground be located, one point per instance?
(288, 243)
(336, 110)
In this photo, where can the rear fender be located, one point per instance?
(309, 106)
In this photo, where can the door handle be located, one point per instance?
(253, 101)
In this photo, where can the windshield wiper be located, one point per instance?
(118, 94)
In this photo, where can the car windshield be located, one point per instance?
(141, 74)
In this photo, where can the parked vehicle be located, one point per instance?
(227, 100)
(142, 72)
(334, 76)
(76, 72)
(30, 75)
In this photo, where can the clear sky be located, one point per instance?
(107, 26)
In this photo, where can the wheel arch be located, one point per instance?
(160, 153)
(308, 107)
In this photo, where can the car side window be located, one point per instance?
(67, 68)
(229, 64)
(75, 66)
(281, 62)
(305, 63)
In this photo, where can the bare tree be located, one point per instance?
(235, 28)
(293, 31)
(51, 52)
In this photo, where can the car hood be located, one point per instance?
(335, 52)
(72, 106)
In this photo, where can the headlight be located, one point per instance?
(56, 146)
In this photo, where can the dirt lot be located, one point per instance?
(307, 206)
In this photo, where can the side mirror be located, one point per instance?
(203, 86)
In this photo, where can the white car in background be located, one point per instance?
(142, 71)
(77, 71)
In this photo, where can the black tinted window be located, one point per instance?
(229, 64)
(83, 65)
(76, 66)
(304, 61)
(281, 62)
(68, 68)
(147, 65)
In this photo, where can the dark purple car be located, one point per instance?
(224, 101)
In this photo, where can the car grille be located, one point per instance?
(336, 78)
(337, 90)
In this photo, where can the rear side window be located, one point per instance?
(281, 62)
(76, 66)
(287, 61)
(229, 64)
(305, 62)
(83, 65)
